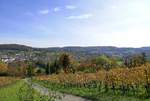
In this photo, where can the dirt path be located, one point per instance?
(64, 97)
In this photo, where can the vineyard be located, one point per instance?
(7, 80)
(122, 81)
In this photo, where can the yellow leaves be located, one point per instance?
(117, 76)
(7, 80)
(3, 67)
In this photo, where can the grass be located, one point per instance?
(9, 93)
(20, 91)
(92, 94)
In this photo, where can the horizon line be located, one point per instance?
(82, 46)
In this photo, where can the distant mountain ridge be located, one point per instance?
(14, 47)
(87, 51)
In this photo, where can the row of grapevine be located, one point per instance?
(135, 81)
(7, 80)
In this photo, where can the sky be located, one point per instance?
(58, 23)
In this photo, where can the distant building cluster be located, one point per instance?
(9, 59)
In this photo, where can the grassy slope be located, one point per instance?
(16, 90)
(9, 93)
(90, 93)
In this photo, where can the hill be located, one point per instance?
(81, 51)
(14, 47)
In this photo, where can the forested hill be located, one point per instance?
(95, 50)
(14, 47)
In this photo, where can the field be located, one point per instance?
(119, 84)
(90, 93)
(20, 91)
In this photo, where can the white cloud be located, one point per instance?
(70, 7)
(56, 9)
(83, 16)
(43, 12)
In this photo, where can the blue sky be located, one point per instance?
(50, 23)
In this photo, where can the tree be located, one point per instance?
(135, 60)
(65, 61)
(52, 67)
(104, 61)
(143, 58)
(30, 69)
(3, 69)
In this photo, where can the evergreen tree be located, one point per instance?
(65, 61)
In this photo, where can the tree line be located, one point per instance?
(67, 63)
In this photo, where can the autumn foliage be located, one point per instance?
(122, 79)
(7, 80)
(3, 68)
